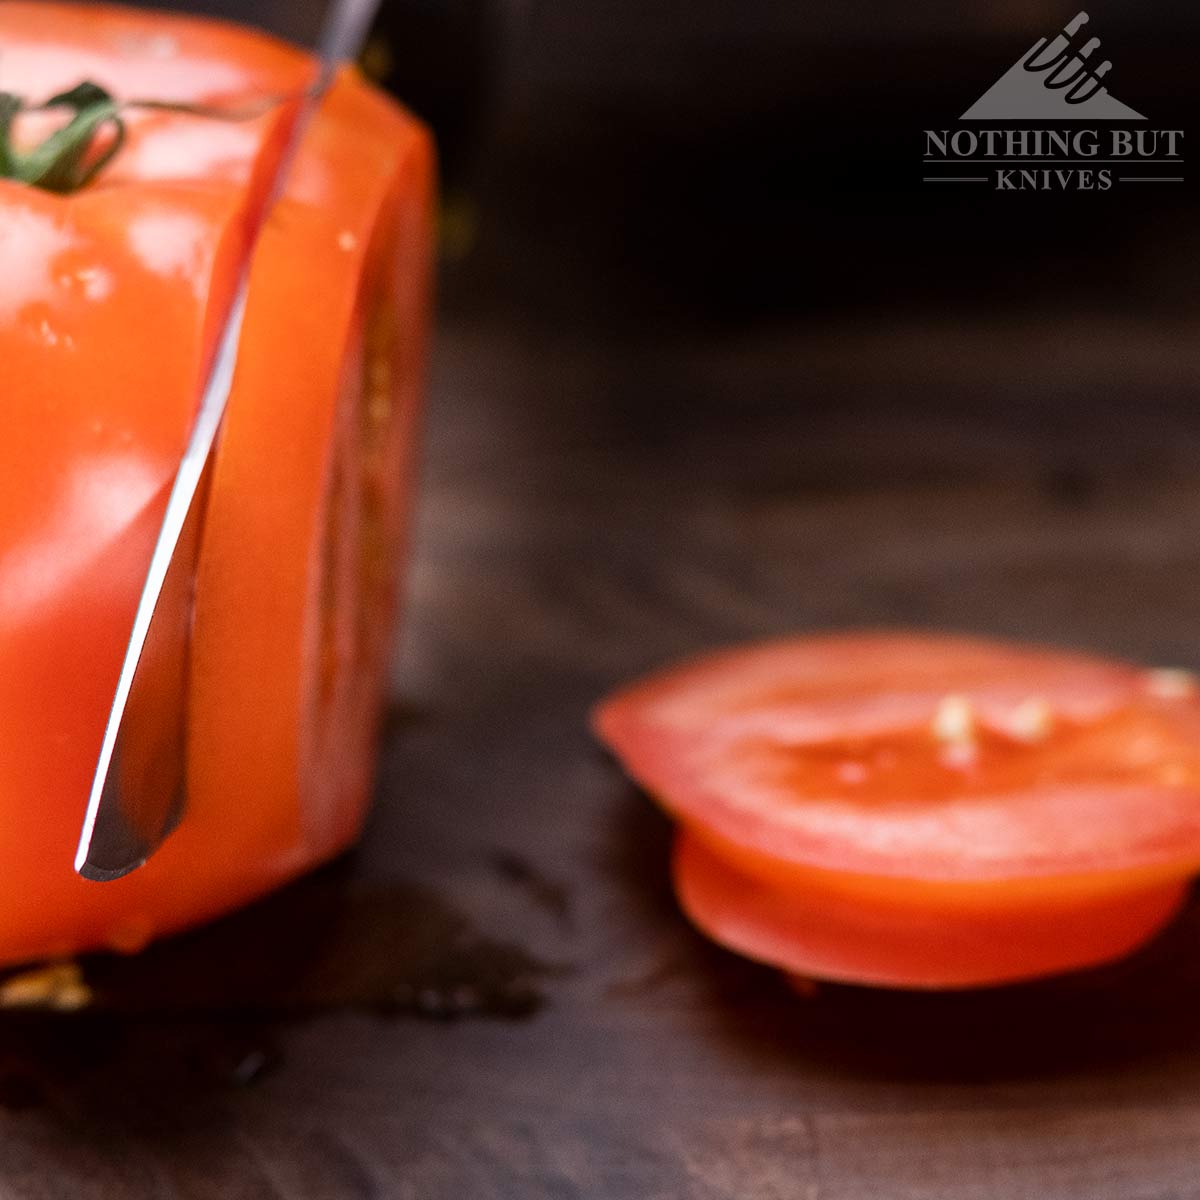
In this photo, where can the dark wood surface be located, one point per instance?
(495, 996)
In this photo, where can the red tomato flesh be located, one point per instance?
(920, 810)
(820, 752)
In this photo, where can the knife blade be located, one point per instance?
(139, 789)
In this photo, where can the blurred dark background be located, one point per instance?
(688, 264)
(733, 160)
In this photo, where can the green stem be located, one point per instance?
(9, 107)
(72, 156)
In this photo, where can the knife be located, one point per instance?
(139, 791)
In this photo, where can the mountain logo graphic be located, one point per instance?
(1058, 80)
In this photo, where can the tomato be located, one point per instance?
(110, 303)
(918, 809)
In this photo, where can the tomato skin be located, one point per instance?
(132, 277)
(50, 47)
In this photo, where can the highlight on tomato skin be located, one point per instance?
(920, 810)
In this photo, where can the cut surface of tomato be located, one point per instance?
(922, 757)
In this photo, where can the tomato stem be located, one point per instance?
(71, 157)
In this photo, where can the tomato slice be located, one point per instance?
(916, 810)
(829, 926)
(824, 752)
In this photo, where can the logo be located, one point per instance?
(1084, 139)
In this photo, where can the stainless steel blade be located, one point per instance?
(138, 793)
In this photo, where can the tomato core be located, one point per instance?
(1117, 748)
